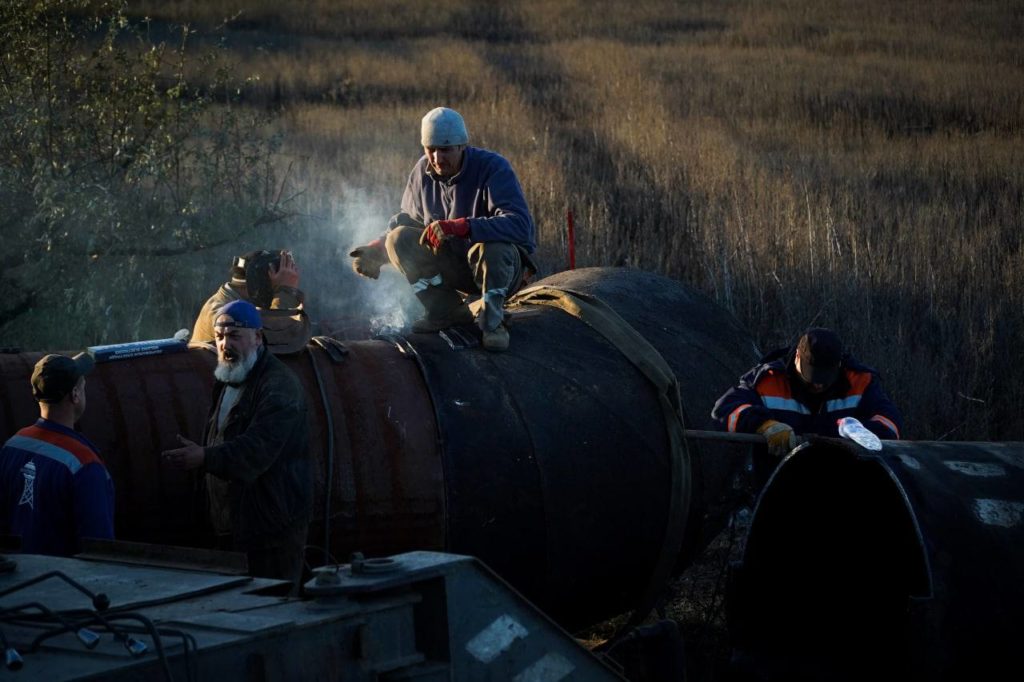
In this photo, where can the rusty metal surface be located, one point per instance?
(553, 468)
(909, 558)
(388, 487)
(387, 492)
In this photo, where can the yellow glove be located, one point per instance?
(781, 437)
(369, 259)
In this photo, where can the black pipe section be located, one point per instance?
(905, 563)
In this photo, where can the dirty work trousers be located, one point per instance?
(441, 282)
(283, 561)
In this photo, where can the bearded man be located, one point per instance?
(255, 450)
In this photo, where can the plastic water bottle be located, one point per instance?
(851, 429)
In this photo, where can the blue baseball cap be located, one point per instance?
(243, 314)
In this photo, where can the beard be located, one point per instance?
(235, 370)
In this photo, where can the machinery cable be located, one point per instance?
(78, 620)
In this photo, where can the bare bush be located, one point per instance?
(111, 161)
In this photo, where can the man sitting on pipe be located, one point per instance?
(806, 389)
(255, 451)
(464, 229)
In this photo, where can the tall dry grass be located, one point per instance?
(850, 164)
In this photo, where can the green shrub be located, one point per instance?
(111, 161)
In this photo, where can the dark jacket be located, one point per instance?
(54, 490)
(485, 190)
(773, 390)
(264, 455)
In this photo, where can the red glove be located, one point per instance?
(439, 230)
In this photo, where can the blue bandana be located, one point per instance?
(243, 313)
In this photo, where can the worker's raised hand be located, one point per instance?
(369, 259)
(781, 437)
(189, 456)
(438, 231)
(286, 274)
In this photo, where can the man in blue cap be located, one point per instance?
(255, 450)
(806, 389)
(54, 488)
(464, 229)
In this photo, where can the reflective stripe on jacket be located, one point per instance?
(771, 390)
(54, 490)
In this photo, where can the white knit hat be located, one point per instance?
(443, 127)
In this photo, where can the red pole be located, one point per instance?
(572, 239)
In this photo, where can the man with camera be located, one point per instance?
(269, 280)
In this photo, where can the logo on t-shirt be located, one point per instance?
(28, 494)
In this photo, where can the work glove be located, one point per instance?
(369, 259)
(781, 437)
(436, 232)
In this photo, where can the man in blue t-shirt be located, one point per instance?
(54, 488)
(464, 229)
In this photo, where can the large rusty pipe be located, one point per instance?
(548, 462)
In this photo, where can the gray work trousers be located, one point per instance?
(492, 269)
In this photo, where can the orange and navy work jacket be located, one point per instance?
(772, 390)
(54, 490)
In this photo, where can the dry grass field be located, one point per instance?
(851, 164)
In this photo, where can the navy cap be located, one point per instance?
(243, 314)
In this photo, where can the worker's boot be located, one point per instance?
(492, 320)
(496, 339)
(444, 309)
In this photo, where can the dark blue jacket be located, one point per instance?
(54, 490)
(773, 390)
(485, 190)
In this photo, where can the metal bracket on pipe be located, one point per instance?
(335, 349)
(457, 339)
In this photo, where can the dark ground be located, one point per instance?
(696, 604)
